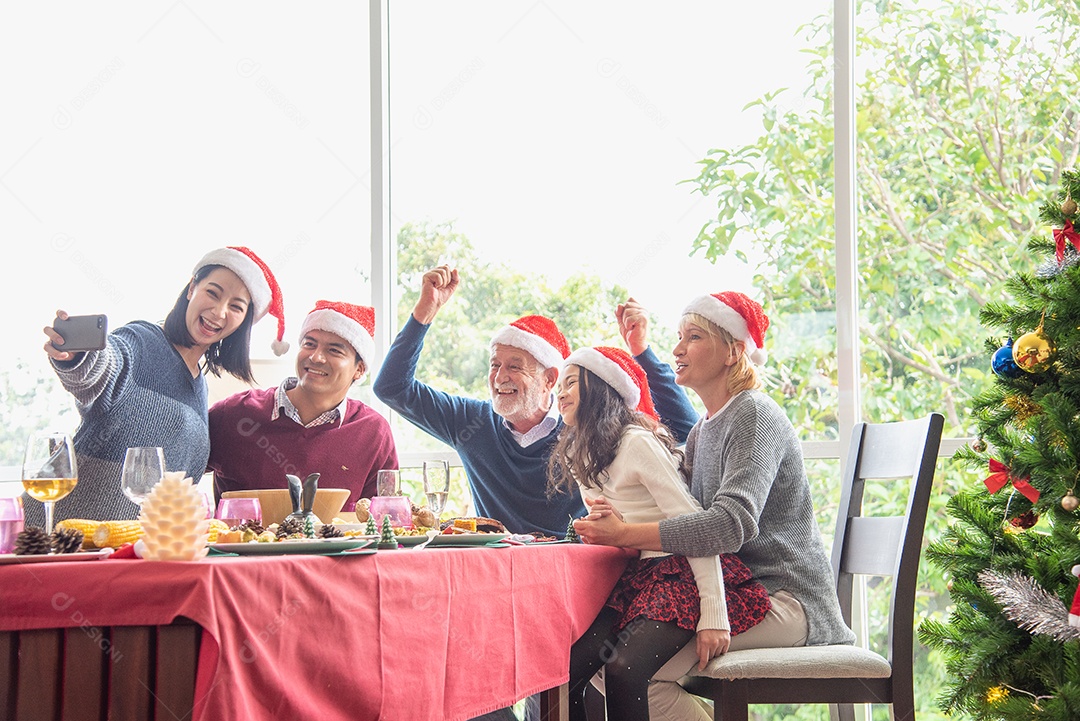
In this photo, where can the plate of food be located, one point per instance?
(320, 546)
(465, 539)
(96, 555)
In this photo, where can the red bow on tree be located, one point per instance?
(999, 476)
(1063, 234)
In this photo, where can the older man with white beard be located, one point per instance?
(503, 442)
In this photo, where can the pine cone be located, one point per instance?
(329, 530)
(67, 540)
(253, 526)
(289, 527)
(32, 541)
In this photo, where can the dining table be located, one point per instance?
(409, 633)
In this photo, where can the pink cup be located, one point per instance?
(399, 508)
(11, 523)
(235, 511)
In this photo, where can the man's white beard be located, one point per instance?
(520, 405)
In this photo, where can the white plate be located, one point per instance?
(314, 546)
(9, 558)
(466, 539)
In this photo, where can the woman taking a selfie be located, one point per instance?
(146, 387)
(612, 445)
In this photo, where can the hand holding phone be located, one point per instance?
(74, 334)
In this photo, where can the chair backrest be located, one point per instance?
(887, 546)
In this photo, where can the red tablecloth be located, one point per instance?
(408, 634)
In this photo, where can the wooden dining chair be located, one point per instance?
(863, 545)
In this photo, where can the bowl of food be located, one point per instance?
(276, 503)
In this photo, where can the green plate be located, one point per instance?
(316, 546)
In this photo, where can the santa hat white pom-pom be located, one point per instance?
(759, 356)
(1076, 570)
(280, 347)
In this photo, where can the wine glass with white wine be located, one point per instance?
(49, 472)
(436, 486)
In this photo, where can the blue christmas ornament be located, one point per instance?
(1003, 364)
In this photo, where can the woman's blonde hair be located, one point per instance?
(743, 375)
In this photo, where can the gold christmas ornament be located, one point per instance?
(1068, 208)
(1034, 351)
(1070, 502)
(997, 694)
(1023, 407)
(978, 445)
(173, 518)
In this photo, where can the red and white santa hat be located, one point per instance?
(739, 315)
(619, 370)
(260, 282)
(537, 335)
(354, 323)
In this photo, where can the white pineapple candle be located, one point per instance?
(173, 518)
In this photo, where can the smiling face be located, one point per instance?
(520, 388)
(702, 359)
(568, 394)
(327, 365)
(217, 305)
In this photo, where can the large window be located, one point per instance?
(545, 149)
(140, 136)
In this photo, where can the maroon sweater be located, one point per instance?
(249, 451)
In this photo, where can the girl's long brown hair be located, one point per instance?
(586, 449)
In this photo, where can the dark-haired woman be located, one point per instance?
(612, 445)
(147, 386)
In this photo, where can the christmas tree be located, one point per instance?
(1009, 643)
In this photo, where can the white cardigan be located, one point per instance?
(644, 484)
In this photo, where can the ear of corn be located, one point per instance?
(216, 527)
(81, 524)
(112, 534)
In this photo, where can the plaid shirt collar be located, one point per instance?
(282, 403)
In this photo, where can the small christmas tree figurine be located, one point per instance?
(571, 534)
(372, 529)
(309, 527)
(388, 541)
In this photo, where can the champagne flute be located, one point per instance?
(143, 468)
(436, 486)
(49, 472)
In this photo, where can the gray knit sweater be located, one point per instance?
(748, 474)
(138, 391)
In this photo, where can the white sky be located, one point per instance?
(138, 135)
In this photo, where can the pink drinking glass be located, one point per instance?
(11, 522)
(235, 511)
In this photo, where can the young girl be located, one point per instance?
(146, 387)
(613, 446)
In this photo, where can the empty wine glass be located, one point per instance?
(49, 472)
(436, 485)
(386, 482)
(143, 469)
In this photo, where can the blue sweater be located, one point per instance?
(137, 391)
(508, 482)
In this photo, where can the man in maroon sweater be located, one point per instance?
(308, 424)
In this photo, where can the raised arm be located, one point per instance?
(438, 413)
(670, 400)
